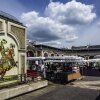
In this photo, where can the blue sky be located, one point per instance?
(20, 6)
(61, 23)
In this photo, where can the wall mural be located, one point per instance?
(7, 54)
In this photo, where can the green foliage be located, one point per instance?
(98, 64)
(7, 60)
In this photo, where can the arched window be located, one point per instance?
(30, 54)
(45, 54)
(52, 55)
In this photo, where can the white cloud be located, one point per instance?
(90, 34)
(53, 43)
(58, 22)
(71, 13)
(70, 37)
(98, 23)
(46, 29)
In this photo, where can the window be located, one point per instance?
(1, 28)
(52, 55)
(45, 55)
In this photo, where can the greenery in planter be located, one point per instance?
(9, 78)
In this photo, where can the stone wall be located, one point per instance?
(20, 34)
(12, 48)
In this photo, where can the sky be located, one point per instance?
(58, 23)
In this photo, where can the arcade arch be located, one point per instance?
(45, 54)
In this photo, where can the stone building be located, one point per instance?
(44, 51)
(88, 52)
(12, 46)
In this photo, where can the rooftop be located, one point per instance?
(47, 46)
(86, 47)
(9, 17)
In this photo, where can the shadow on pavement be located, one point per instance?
(90, 72)
(98, 98)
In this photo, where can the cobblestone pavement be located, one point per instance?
(88, 82)
(65, 92)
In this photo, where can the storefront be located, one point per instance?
(12, 49)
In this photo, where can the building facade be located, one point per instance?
(88, 52)
(44, 51)
(12, 46)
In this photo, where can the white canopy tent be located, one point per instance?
(64, 59)
(92, 60)
(97, 56)
(35, 58)
(57, 59)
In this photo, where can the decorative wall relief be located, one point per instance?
(7, 57)
(20, 34)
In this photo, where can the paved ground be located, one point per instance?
(73, 91)
(88, 82)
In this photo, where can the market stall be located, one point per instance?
(35, 68)
(95, 63)
(63, 69)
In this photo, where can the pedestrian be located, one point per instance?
(44, 72)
